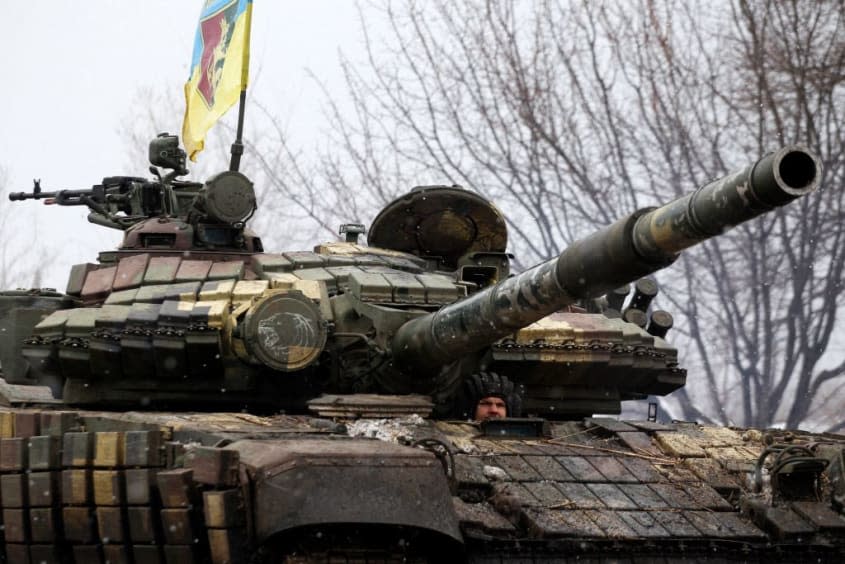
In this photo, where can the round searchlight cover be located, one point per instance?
(285, 331)
(229, 197)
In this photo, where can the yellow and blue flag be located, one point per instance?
(219, 68)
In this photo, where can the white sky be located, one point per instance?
(71, 69)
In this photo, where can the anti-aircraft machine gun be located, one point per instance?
(190, 312)
(216, 211)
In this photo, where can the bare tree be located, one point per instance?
(570, 114)
(18, 266)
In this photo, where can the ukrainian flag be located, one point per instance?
(219, 68)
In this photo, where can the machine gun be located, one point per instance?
(120, 202)
(225, 202)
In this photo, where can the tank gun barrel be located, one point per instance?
(635, 246)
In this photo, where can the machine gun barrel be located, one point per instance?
(112, 187)
(21, 196)
(60, 197)
(640, 244)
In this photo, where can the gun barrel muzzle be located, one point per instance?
(771, 182)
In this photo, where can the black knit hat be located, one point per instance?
(489, 384)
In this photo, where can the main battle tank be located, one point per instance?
(191, 397)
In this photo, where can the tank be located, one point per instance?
(191, 397)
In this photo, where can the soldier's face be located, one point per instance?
(490, 407)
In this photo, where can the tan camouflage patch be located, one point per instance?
(679, 444)
(341, 248)
(246, 290)
(216, 290)
(309, 288)
(216, 312)
(7, 424)
(720, 436)
(108, 449)
(281, 280)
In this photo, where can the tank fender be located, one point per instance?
(307, 482)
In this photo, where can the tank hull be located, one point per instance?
(87, 486)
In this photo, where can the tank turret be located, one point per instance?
(635, 246)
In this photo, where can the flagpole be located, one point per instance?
(238, 146)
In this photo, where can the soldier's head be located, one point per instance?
(490, 407)
(490, 395)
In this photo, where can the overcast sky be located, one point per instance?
(71, 70)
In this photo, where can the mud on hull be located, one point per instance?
(164, 487)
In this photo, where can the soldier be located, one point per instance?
(489, 395)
